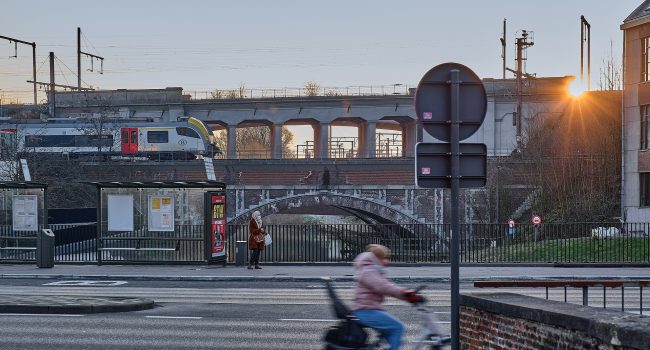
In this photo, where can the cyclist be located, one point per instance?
(370, 288)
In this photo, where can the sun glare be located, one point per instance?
(576, 89)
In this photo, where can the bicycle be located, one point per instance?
(350, 334)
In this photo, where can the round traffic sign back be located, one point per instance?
(433, 101)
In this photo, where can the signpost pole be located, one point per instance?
(455, 219)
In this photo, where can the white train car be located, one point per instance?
(186, 138)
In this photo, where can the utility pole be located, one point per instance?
(52, 96)
(585, 27)
(52, 85)
(79, 53)
(503, 48)
(522, 44)
(33, 45)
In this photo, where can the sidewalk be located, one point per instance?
(271, 272)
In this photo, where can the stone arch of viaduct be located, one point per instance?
(368, 115)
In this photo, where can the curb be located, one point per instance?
(48, 304)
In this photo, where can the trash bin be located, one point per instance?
(241, 253)
(45, 249)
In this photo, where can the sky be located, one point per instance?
(206, 45)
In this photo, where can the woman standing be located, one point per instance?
(255, 239)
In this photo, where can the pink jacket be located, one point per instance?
(371, 283)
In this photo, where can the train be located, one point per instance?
(186, 138)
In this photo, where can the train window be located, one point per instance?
(125, 137)
(50, 140)
(94, 140)
(157, 136)
(134, 137)
(185, 131)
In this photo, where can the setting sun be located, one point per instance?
(576, 88)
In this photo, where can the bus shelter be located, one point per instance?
(23, 213)
(161, 222)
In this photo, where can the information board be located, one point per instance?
(25, 213)
(161, 213)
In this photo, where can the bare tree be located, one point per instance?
(312, 88)
(610, 72)
(572, 161)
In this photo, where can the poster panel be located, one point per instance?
(218, 225)
(120, 212)
(25, 212)
(161, 213)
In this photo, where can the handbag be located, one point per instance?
(259, 238)
(267, 239)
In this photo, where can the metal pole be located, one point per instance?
(52, 87)
(34, 71)
(520, 45)
(503, 48)
(582, 47)
(79, 58)
(588, 57)
(455, 222)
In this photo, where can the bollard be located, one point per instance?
(241, 253)
(45, 249)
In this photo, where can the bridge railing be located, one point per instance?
(243, 93)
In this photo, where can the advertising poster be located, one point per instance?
(161, 213)
(218, 225)
(120, 212)
(25, 213)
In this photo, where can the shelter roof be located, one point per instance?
(8, 185)
(159, 184)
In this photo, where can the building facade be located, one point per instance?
(636, 115)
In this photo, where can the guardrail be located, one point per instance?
(584, 285)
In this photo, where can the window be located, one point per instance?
(185, 131)
(125, 137)
(645, 127)
(645, 60)
(644, 189)
(157, 136)
(49, 140)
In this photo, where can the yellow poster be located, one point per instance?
(155, 203)
(166, 200)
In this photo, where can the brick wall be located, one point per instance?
(512, 321)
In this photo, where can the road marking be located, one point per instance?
(87, 283)
(305, 320)
(176, 317)
(46, 315)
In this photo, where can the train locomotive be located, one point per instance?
(187, 138)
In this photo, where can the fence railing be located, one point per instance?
(184, 244)
(416, 243)
(480, 243)
(243, 93)
(585, 285)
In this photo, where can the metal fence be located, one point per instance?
(418, 243)
(184, 244)
(480, 243)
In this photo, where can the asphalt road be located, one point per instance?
(205, 315)
(188, 315)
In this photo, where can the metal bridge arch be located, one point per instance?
(326, 198)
